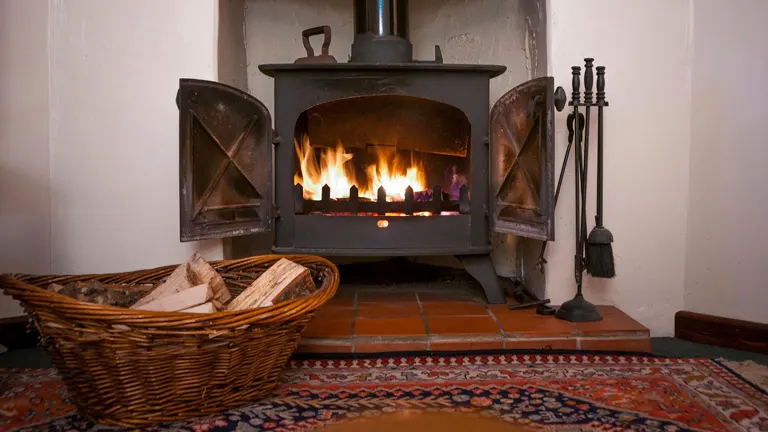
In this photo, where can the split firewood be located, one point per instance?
(181, 279)
(205, 273)
(195, 271)
(284, 280)
(203, 308)
(185, 299)
(97, 292)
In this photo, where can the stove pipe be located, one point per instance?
(381, 32)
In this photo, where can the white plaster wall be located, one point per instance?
(646, 48)
(24, 198)
(115, 67)
(727, 243)
(467, 31)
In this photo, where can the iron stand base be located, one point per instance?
(481, 268)
(578, 309)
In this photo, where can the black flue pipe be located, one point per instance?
(381, 32)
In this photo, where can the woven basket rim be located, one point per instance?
(322, 294)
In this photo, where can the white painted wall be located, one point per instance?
(115, 67)
(646, 48)
(727, 243)
(24, 188)
(467, 31)
(89, 132)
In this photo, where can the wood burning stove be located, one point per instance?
(380, 156)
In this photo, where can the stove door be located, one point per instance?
(225, 158)
(522, 161)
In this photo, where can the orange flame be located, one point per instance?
(334, 170)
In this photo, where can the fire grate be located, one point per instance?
(422, 203)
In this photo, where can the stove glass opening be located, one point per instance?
(387, 155)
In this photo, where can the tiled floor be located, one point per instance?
(454, 317)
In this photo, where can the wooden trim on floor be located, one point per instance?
(723, 332)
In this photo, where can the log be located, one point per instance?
(97, 292)
(205, 273)
(282, 281)
(203, 308)
(181, 279)
(181, 300)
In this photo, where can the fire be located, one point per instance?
(335, 170)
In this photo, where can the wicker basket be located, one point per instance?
(135, 368)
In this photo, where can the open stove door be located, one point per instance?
(522, 161)
(225, 161)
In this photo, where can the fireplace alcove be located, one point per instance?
(294, 94)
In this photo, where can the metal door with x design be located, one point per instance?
(225, 144)
(522, 161)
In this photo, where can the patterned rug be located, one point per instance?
(535, 391)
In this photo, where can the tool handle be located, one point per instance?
(600, 104)
(600, 84)
(570, 124)
(576, 72)
(588, 80)
(316, 31)
(575, 83)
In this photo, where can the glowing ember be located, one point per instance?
(334, 170)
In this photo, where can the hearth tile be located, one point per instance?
(641, 344)
(467, 325)
(402, 326)
(522, 323)
(388, 309)
(432, 308)
(334, 311)
(377, 296)
(466, 343)
(322, 345)
(328, 328)
(386, 344)
(540, 344)
(614, 323)
(337, 300)
(450, 297)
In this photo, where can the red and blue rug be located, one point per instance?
(536, 391)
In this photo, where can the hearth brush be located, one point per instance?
(600, 261)
(579, 309)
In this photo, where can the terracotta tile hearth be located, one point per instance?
(454, 319)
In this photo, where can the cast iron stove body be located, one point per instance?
(475, 173)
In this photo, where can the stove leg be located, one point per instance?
(481, 268)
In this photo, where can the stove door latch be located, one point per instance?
(274, 212)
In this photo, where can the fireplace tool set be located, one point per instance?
(594, 252)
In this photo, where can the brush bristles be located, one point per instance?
(600, 260)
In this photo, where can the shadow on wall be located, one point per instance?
(24, 221)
